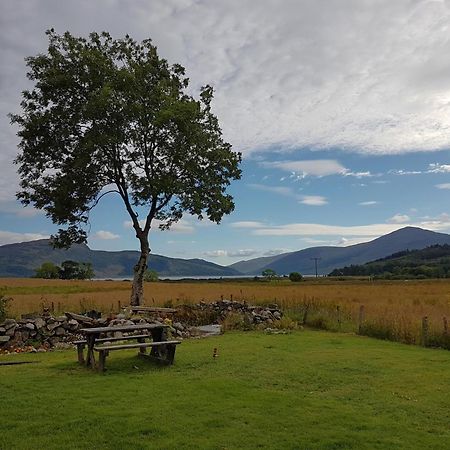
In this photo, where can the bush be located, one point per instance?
(151, 275)
(4, 301)
(295, 277)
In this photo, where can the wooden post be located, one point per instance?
(53, 307)
(338, 311)
(119, 305)
(231, 297)
(361, 318)
(221, 297)
(444, 320)
(59, 306)
(425, 331)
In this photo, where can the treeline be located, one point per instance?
(69, 270)
(430, 262)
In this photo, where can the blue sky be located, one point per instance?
(341, 111)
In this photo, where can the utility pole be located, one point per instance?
(315, 263)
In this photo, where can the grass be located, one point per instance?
(305, 390)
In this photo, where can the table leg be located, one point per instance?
(90, 359)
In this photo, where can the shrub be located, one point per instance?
(4, 301)
(295, 277)
(151, 275)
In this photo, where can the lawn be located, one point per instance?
(305, 390)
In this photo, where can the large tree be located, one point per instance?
(109, 115)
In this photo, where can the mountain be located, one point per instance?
(331, 257)
(430, 262)
(21, 260)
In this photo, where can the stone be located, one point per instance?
(2, 330)
(60, 331)
(277, 315)
(39, 323)
(11, 331)
(29, 325)
(4, 338)
(52, 326)
(178, 326)
(61, 318)
(9, 323)
(121, 316)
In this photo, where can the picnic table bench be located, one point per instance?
(162, 350)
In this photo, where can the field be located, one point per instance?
(305, 390)
(392, 309)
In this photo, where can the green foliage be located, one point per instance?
(151, 275)
(295, 277)
(111, 116)
(107, 112)
(269, 274)
(72, 270)
(4, 302)
(431, 262)
(48, 270)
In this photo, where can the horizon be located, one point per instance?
(341, 112)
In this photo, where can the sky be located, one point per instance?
(341, 109)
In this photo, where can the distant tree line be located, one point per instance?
(69, 270)
(430, 262)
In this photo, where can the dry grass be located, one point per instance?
(393, 309)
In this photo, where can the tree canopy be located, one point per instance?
(108, 116)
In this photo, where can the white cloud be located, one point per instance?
(368, 203)
(282, 190)
(438, 168)
(231, 253)
(182, 226)
(313, 200)
(316, 167)
(105, 235)
(247, 224)
(399, 218)
(215, 253)
(9, 237)
(443, 186)
(314, 229)
(276, 251)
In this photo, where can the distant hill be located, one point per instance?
(21, 260)
(430, 262)
(331, 257)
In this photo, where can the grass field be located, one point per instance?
(393, 309)
(306, 390)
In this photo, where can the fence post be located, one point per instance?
(425, 331)
(338, 310)
(305, 314)
(119, 305)
(361, 318)
(53, 307)
(444, 319)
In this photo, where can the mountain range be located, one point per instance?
(21, 259)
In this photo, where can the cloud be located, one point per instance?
(105, 235)
(313, 200)
(9, 237)
(316, 167)
(438, 168)
(247, 224)
(443, 186)
(231, 253)
(282, 190)
(215, 253)
(182, 226)
(368, 203)
(276, 251)
(302, 75)
(399, 218)
(313, 229)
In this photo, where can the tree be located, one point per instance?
(72, 270)
(112, 116)
(47, 270)
(269, 274)
(151, 275)
(295, 277)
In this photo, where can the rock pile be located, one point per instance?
(46, 331)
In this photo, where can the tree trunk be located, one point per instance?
(137, 290)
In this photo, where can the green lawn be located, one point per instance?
(307, 390)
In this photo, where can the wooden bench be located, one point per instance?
(163, 352)
(81, 344)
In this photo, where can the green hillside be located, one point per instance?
(430, 262)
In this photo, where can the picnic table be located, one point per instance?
(162, 350)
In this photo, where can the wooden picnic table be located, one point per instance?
(155, 332)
